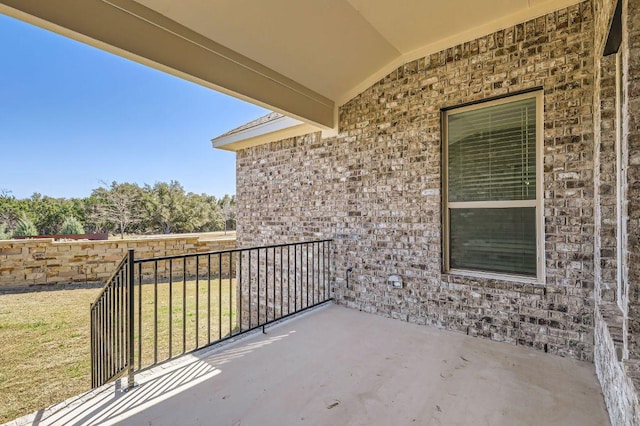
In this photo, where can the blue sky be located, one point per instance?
(72, 116)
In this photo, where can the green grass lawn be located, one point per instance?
(44, 338)
(222, 320)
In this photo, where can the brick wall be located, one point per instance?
(631, 131)
(41, 262)
(606, 181)
(375, 188)
(617, 358)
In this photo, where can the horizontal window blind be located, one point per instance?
(492, 153)
(494, 240)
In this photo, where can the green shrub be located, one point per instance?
(4, 234)
(25, 228)
(71, 225)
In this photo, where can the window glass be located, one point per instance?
(494, 240)
(492, 153)
(491, 209)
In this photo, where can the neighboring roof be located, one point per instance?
(272, 116)
(269, 128)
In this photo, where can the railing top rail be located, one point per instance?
(236, 250)
(107, 282)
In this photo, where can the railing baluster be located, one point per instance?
(130, 282)
(184, 305)
(329, 269)
(155, 312)
(239, 292)
(230, 294)
(130, 308)
(103, 353)
(139, 315)
(197, 298)
(281, 286)
(209, 298)
(110, 328)
(113, 329)
(220, 296)
(324, 276)
(249, 291)
(318, 271)
(258, 284)
(105, 337)
(92, 346)
(170, 308)
(266, 284)
(120, 290)
(288, 279)
(274, 283)
(307, 247)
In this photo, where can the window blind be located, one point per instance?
(492, 153)
(494, 240)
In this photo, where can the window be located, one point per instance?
(493, 187)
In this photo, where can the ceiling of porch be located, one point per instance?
(301, 58)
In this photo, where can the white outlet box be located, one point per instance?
(395, 281)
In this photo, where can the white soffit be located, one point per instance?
(338, 48)
(447, 24)
(324, 44)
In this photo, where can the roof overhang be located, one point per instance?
(300, 58)
(136, 32)
(280, 128)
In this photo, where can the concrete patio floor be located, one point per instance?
(338, 366)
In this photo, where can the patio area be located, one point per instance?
(338, 366)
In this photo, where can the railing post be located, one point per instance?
(130, 325)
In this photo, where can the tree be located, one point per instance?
(118, 205)
(71, 225)
(211, 216)
(166, 205)
(228, 212)
(123, 208)
(4, 234)
(25, 228)
(11, 210)
(50, 213)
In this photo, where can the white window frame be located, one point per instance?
(538, 203)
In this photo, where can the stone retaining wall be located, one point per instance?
(41, 262)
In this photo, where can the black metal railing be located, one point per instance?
(156, 309)
(110, 332)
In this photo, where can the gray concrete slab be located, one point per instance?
(338, 366)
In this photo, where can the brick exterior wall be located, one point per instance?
(631, 131)
(606, 179)
(26, 263)
(375, 188)
(616, 316)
